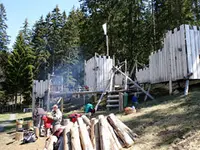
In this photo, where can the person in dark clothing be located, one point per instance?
(37, 116)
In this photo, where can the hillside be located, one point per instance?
(170, 122)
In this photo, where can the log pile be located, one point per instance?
(102, 133)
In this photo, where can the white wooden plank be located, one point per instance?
(183, 48)
(198, 39)
(196, 61)
(194, 65)
(170, 56)
(176, 58)
(179, 59)
(189, 51)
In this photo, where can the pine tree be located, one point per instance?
(40, 48)
(4, 38)
(19, 71)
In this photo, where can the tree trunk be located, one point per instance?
(15, 101)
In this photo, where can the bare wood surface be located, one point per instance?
(114, 136)
(75, 138)
(86, 120)
(84, 135)
(67, 136)
(50, 141)
(104, 136)
(124, 136)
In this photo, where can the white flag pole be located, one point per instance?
(105, 32)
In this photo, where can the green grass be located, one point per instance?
(163, 121)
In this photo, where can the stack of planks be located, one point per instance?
(102, 133)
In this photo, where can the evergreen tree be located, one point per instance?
(19, 71)
(4, 38)
(39, 43)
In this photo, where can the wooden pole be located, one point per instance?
(86, 120)
(67, 136)
(114, 137)
(126, 79)
(104, 136)
(170, 87)
(135, 83)
(186, 87)
(145, 98)
(124, 136)
(84, 135)
(75, 139)
(121, 102)
(62, 103)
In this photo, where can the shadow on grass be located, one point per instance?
(171, 123)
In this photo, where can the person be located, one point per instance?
(47, 124)
(37, 115)
(89, 109)
(56, 116)
(134, 101)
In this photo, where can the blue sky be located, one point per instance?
(18, 10)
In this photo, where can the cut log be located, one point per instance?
(67, 137)
(66, 121)
(75, 138)
(50, 142)
(94, 133)
(86, 120)
(84, 135)
(105, 138)
(114, 137)
(19, 136)
(124, 136)
(125, 128)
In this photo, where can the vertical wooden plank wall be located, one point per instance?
(98, 71)
(179, 55)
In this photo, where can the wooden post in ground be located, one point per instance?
(121, 101)
(170, 87)
(62, 103)
(186, 87)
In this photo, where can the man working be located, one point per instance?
(56, 115)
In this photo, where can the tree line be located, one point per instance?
(59, 43)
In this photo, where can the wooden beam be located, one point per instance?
(186, 87)
(84, 135)
(135, 83)
(75, 138)
(123, 135)
(145, 98)
(121, 101)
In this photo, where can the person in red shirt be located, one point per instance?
(47, 124)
